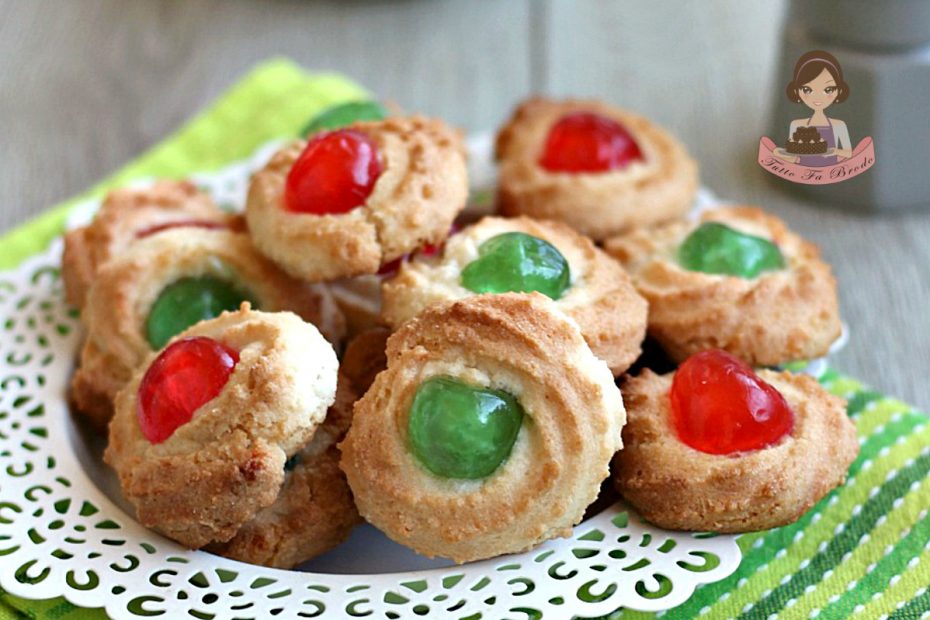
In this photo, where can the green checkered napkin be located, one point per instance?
(864, 551)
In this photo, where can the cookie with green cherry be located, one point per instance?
(523, 255)
(489, 432)
(736, 278)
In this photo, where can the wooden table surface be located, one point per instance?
(85, 85)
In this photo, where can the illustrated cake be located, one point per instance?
(806, 141)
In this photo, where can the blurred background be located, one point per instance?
(85, 85)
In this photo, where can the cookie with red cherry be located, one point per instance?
(716, 446)
(354, 199)
(314, 510)
(202, 433)
(165, 283)
(128, 215)
(600, 169)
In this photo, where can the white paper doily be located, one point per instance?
(63, 531)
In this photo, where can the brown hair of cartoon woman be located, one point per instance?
(812, 64)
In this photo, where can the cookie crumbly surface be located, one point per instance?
(125, 215)
(603, 204)
(680, 488)
(314, 510)
(365, 356)
(219, 470)
(127, 286)
(573, 415)
(779, 316)
(601, 298)
(423, 186)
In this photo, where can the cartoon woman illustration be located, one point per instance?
(818, 83)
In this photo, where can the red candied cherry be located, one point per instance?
(187, 374)
(151, 230)
(433, 249)
(720, 406)
(586, 142)
(389, 269)
(335, 173)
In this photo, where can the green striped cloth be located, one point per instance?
(863, 552)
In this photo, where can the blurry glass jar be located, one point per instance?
(884, 49)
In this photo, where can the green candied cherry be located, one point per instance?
(344, 115)
(517, 262)
(461, 431)
(188, 301)
(716, 248)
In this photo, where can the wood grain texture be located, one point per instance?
(87, 84)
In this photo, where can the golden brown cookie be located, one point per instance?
(314, 510)
(422, 187)
(497, 348)
(775, 317)
(658, 187)
(365, 356)
(127, 215)
(678, 487)
(601, 297)
(207, 477)
(127, 287)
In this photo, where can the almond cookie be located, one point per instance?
(600, 169)
(715, 447)
(737, 279)
(498, 255)
(365, 356)
(489, 432)
(168, 282)
(202, 431)
(314, 510)
(354, 199)
(130, 214)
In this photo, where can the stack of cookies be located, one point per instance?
(356, 346)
